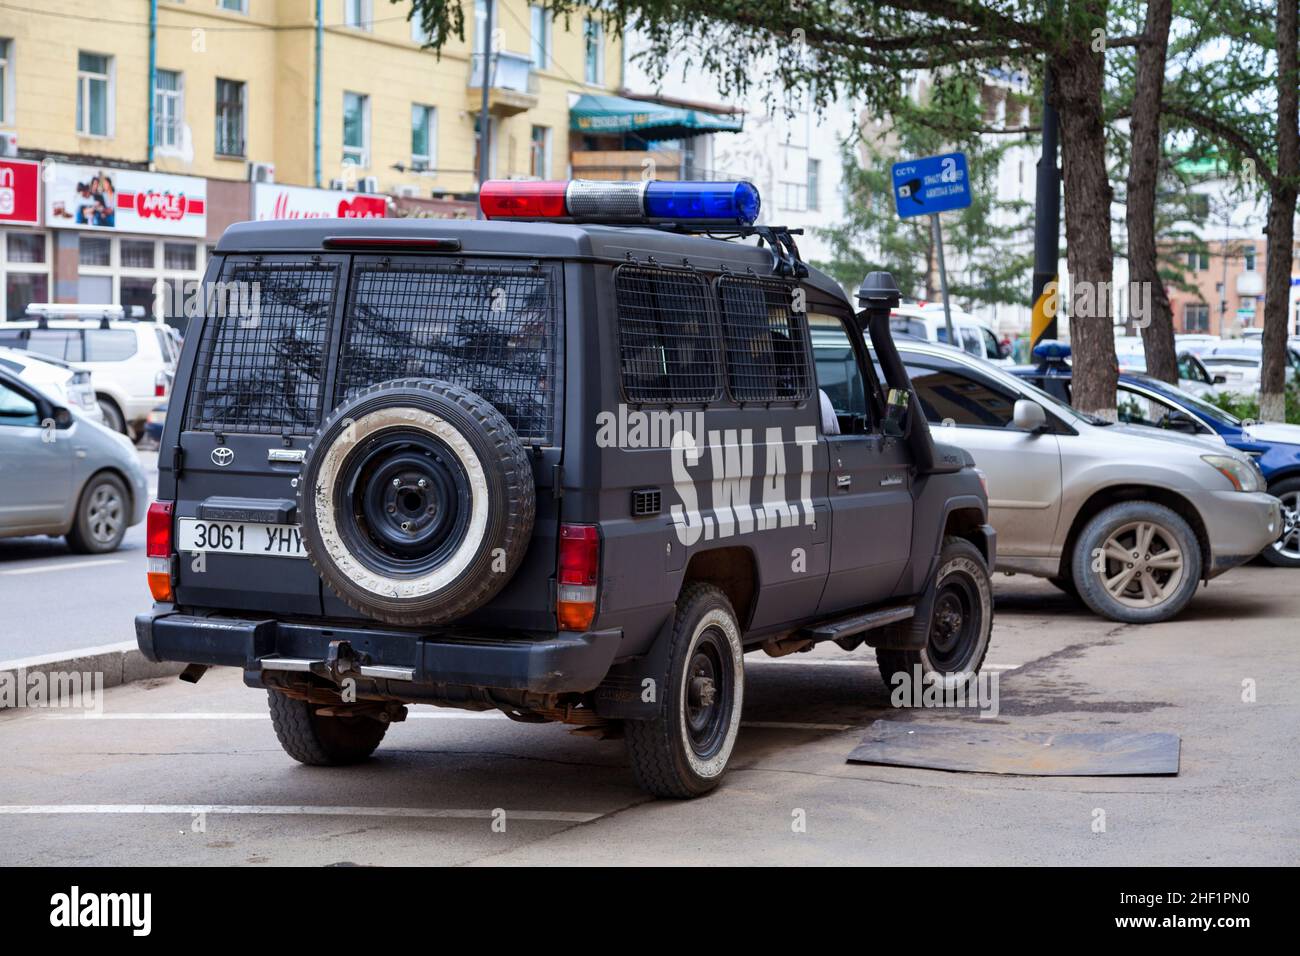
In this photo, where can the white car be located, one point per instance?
(132, 361)
(1193, 376)
(1240, 362)
(58, 380)
(927, 322)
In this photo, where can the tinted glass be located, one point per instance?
(948, 395)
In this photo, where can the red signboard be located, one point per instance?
(20, 191)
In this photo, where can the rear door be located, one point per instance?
(255, 398)
(35, 465)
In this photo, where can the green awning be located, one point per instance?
(602, 115)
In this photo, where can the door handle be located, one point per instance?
(843, 481)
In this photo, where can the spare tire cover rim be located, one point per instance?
(333, 462)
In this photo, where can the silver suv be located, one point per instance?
(1129, 518)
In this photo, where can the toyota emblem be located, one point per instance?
(222, 456)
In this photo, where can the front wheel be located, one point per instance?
(683, 752)
(319, 741)
(1285, 551)
(961, 624)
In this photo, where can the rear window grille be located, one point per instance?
(261, 360)
(490, 329)
(766, 341)
(667, 336)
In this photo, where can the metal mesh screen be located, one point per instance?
(667, 336)
(766, 341)
(261, 360)
(490, 329)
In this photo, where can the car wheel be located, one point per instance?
(961, 623)
(320, 741)
(103, 513)
(1136, 562)
(416, 501)
(1285, 551)
(683, 752)
(113, 417)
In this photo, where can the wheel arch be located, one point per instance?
(1103, 498)
(734, 571)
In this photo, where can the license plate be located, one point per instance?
(237, 537)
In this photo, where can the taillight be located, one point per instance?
(579, 572)
(158, 548)
(160, 385)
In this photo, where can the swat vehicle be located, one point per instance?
(570, 463)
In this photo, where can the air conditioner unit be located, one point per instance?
(338, 184)
(368, 184)
(8, 144)
(407, 191)
(261, 172)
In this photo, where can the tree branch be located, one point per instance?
(1217, 128)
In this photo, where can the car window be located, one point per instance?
(16, 409)
(992, 350)
(1137, 409)
(109, 345)
(902, 325)
(165, 345)
(971, 341)
(1190, 368)
(59, 343)
(947, 395)
(838, 373)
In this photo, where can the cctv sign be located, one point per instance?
(932, 184)
(20, 192)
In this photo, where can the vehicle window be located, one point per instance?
(838, 373)
(1190, 368)
(992, 350)
(109, 345)
(60, 343)
(766, 355)
(668, 338)
(947, 395)
(902, 325)
(13, 338)
(1135, 409)
(971, 341)
(16, 408)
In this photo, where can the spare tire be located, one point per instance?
(416, 500)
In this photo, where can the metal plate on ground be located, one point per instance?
(974, 749)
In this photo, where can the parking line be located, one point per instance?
(64, 809)
(825, 662)
(65, 566)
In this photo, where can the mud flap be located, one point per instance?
(632, 690)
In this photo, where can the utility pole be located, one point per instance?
(484, 119)
(1047, 225)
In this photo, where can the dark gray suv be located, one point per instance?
(572, 470)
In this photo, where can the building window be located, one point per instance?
(814, 184)
(1198, 261)
(230, 118)
(234, 6)
(793, 197)
(541, 36)
(169, 110)
(1248, 254)
(24, 272)
(6, 80)
(94, 94)
(356, 129)
(480, 23)
(594, 33)
(144, 276)
(1196, 317)
(539, 152)
(424, 137)
(356, 14)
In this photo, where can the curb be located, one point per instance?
(118, 663)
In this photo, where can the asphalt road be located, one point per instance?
(180, 774)
(54, 600)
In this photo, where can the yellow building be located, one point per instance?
(330, 95)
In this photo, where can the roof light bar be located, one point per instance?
(585, 200)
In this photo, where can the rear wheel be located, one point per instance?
(1285, 552)
(683, 752)
(320, 741)
(113, 417)
(102, 516)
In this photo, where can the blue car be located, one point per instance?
(1143, 400)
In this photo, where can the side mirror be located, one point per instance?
(1220, 380)
(1178, 422)
(62, 417)
(1028, 416)
(895, 409)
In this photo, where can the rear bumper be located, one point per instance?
(541, 663)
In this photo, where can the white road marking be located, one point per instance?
(836, 662)
(64, 566)
(791, 725)
(556, 816)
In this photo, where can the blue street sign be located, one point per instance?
(931, 184)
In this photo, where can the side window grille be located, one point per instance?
(766, 341)
(491, 329)
(668, 338)
(261, 359)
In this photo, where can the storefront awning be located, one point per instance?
(604, 115)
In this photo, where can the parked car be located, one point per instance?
(1128, 518)
(1274, 446)
(132, 361)
(63, 474)
(926, 322)
(153, 425)
(550, 485)
(58, 380)
(1193, 376)
(1195, 342)
(1241, 364)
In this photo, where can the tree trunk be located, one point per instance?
(1281, 219)
(1079, 74)
(1144, 275)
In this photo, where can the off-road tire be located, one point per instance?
(972, 586)
(1171, 527)
(322, 741)
(490, 458)
(82, 537)
(663, 759)
(1289, 490)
